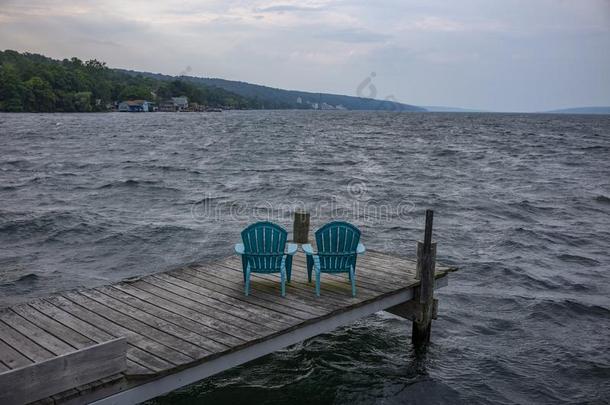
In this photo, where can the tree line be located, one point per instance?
(35, 83)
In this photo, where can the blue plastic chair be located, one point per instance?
(264, 251)
(338, 246)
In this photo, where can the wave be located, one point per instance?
(602, 199)
(128, 183)
(566, 308)
(578, 259)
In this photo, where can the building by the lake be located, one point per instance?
(135, 106)
(174, 104)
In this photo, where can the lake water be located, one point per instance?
(521, 202)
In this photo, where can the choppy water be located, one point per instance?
(522, 207)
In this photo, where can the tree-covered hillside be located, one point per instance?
(35, 83)
(272, 98)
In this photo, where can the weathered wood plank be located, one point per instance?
(231, 314)
(136, 358)
(11, 358)
(164, 355)
(339, 285)
(245, 330)
(367, 277)
(275, 319)
(178, 350)
(300, 290)
(22, 344)
(235, 290)
(40, 380)
(53, 327)
(38, 335)
(195, 341)
(234, 335)
(228, 278)
(70, 336)
(230, 304)
(221, 340)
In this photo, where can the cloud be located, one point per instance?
(288, 8)
(352, 35)
(443, 24)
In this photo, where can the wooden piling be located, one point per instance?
(300, 230)
(426, 258)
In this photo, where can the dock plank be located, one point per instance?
(233, 334)
(199, 345)
(272, 319)
(176, 349)
(11, 358)
(53, 327)
(136, 358)
(337, 286)
(161, 354)
(23, 344)
(221, 340)
(263, 300)
(177, 297)
(335, 290)
(296, 295)
(231, 314)
(38, 335)
(228, 278)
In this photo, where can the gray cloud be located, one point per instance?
(287, 8)
(352, 35)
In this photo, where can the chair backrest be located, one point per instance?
(337, 242)
(264, 246)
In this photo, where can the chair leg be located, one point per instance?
(309, 267)
(352, 278)
(317, 283)
(289, 268)
(244, 265)
(283, 280)
(247, 277)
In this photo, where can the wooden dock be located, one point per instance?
(184, 325)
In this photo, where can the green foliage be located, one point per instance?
(39, 95)
(35, 83)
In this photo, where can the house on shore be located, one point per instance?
(174, 104)
(181, 103)
(135, 106)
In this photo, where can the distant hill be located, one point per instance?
(35, 83)
(440, 108)
(274, 98)
(582, 110)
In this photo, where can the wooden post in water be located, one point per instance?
(426, 257)
(300, 230)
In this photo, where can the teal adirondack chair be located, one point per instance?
(264, 250)
(338, 246)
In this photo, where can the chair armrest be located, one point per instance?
(291, 248)
(307, 249)
(240, 249)
(360, 249)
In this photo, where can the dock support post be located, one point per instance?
(300, 230)
(426, 257)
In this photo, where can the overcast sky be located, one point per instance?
(504, 55)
